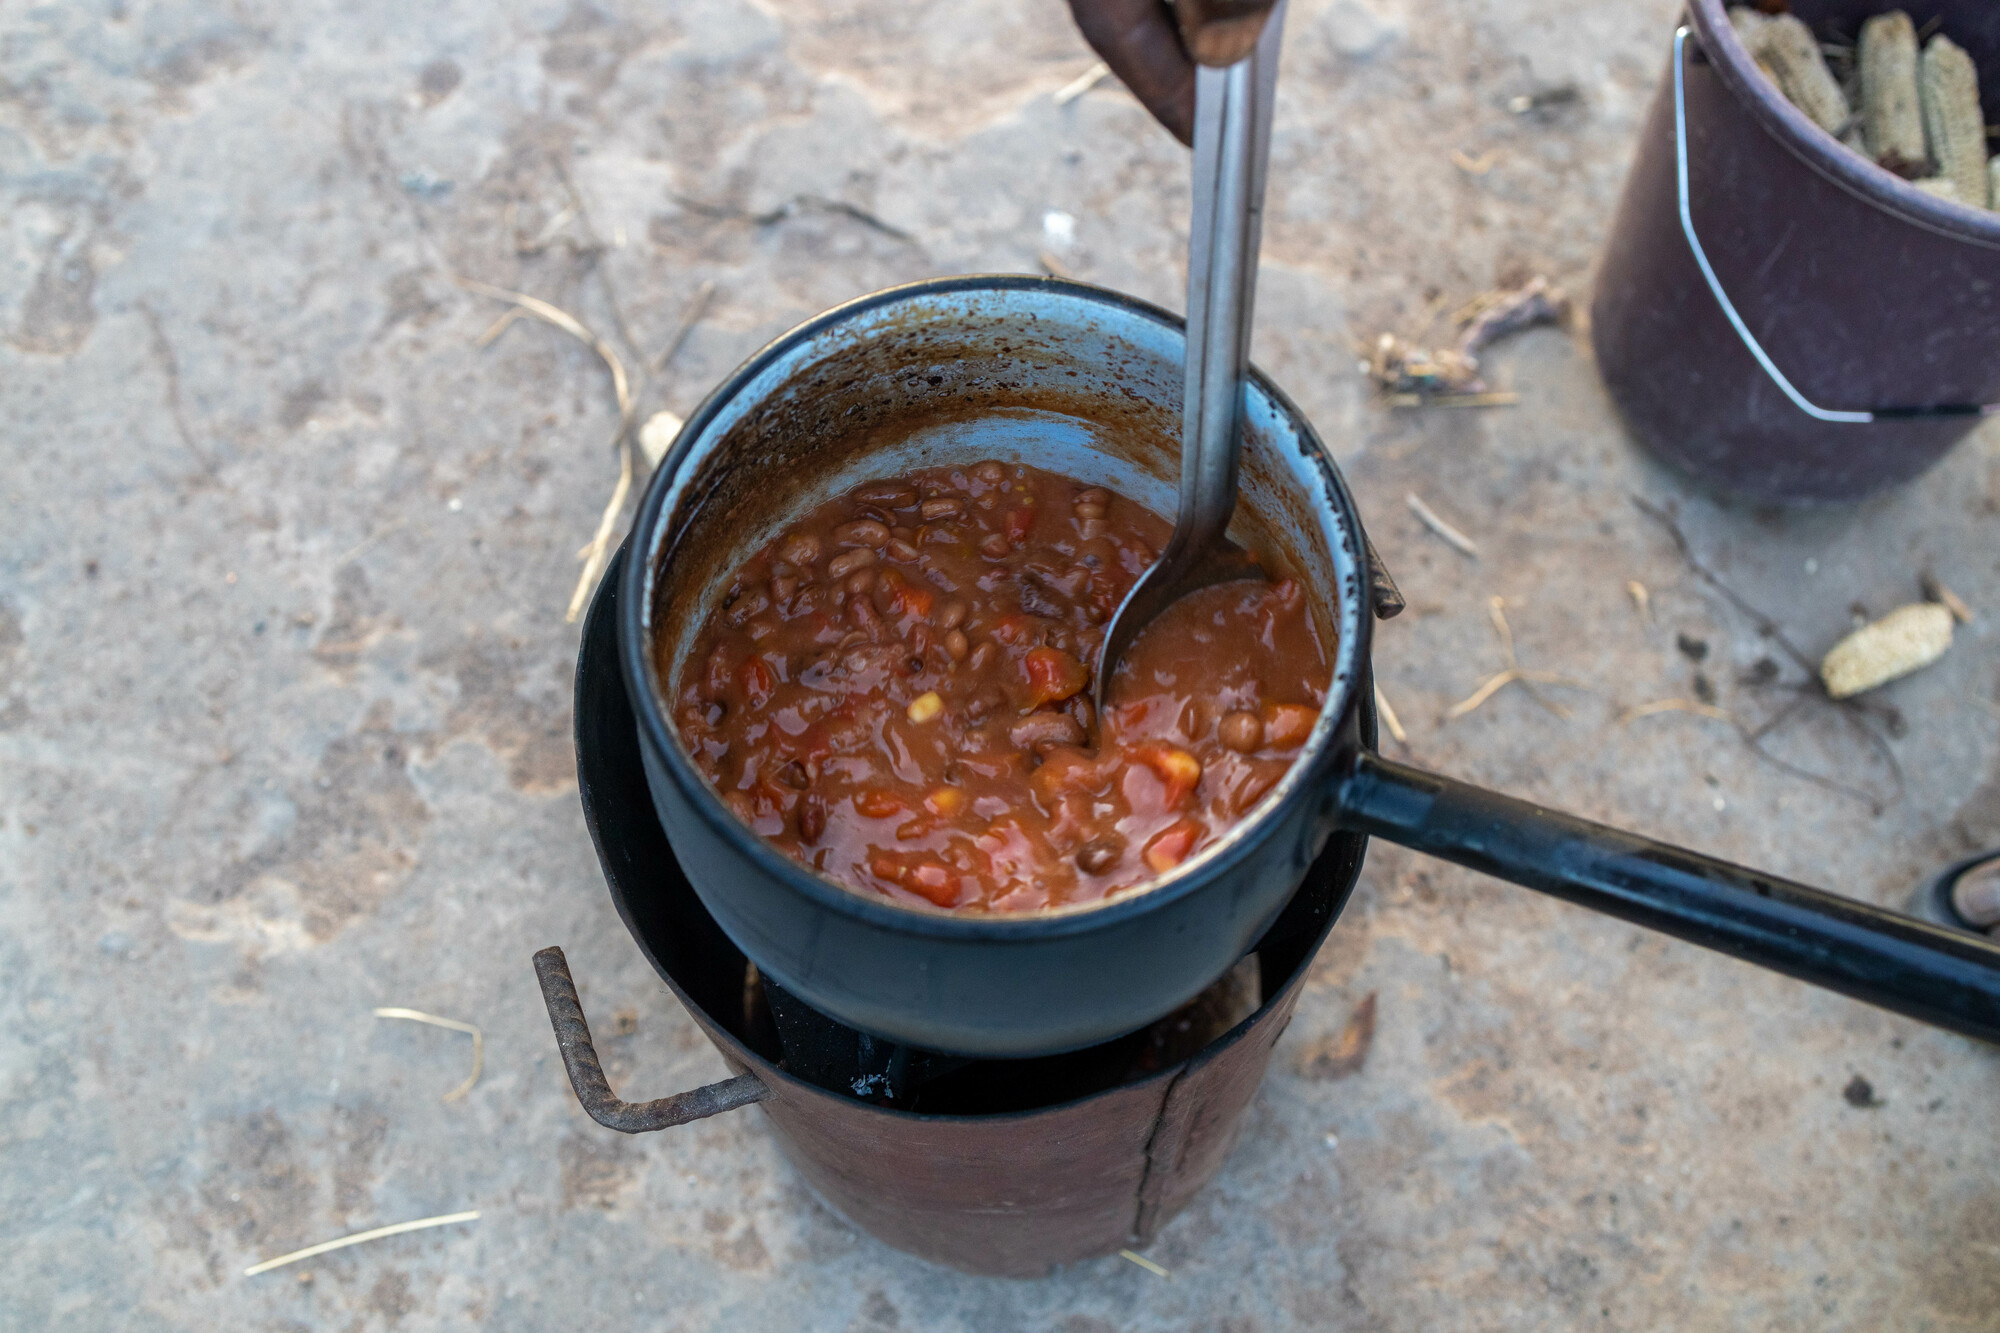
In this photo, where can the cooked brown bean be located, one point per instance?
(1039, 730)
(943, 507)
(955, 643)
(886, 494)
(985, 703)
(861, 613)
(846, 563)
(1079, 707)
(812, 818)
(1082, 510)
(951, 613)
(901, 551)
(783, 589)
(860, 581)
(996, 546)
(1100, 854)
(989, 472)
(983, 655)
(1087, 528)
(800, 548)
(862, 532)
(1242, 732)
(748, 605)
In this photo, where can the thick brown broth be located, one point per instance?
(896, 692)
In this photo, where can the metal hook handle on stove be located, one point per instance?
(1755, 348)
(1932, 973)
(586, 1072)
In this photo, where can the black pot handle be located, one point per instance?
(586, 1073)
(1931, 973)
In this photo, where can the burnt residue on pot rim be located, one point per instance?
(859, 378)
(1819, 150)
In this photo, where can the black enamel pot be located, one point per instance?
(1087, 383)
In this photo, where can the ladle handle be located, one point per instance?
(586, 1071)
(1931, 973)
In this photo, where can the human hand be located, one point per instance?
(1138, 40)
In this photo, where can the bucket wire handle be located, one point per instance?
(586, 1072)
(1750, 342)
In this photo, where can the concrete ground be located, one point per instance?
(284, 682)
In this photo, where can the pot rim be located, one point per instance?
(1819, 150)
(636, 594)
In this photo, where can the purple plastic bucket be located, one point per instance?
(1866, 335)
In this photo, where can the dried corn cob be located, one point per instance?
(1954, 126)
(1907, 638)
(1793, 52)
(1750, 28)
(1891, 117)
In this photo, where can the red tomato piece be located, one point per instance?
(1286, 726)
(1172, 844)
(758, 681)
(905, 598)
(878, 803)
(939, 883)
(1052, 675)
(1020, 522)
(1179, 770)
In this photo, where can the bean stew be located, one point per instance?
(896, 692)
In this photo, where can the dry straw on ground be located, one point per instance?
(378, 1233)
(454, 1025)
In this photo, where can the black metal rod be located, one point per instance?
(1931, 973)
(586, 1072)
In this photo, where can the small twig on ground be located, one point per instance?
(1452, 399)
(1475, 166)
(1452, 537)
(1414, 376)
(1052, 266)
(358, 1237)
(1640, 597)
(1145, 1263)
(1853, 712)
(791, 208)
(1631, 715)
(1766, 626)
(691, 315)
(1081, 84)
(1389, 718)
(1513, 674)
(597, 249)
(620, 384)
(1936, 592)
(596, 553)
(454, 1025)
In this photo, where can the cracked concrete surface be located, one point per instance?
(284, 681)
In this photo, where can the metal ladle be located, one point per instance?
(1232, 148)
